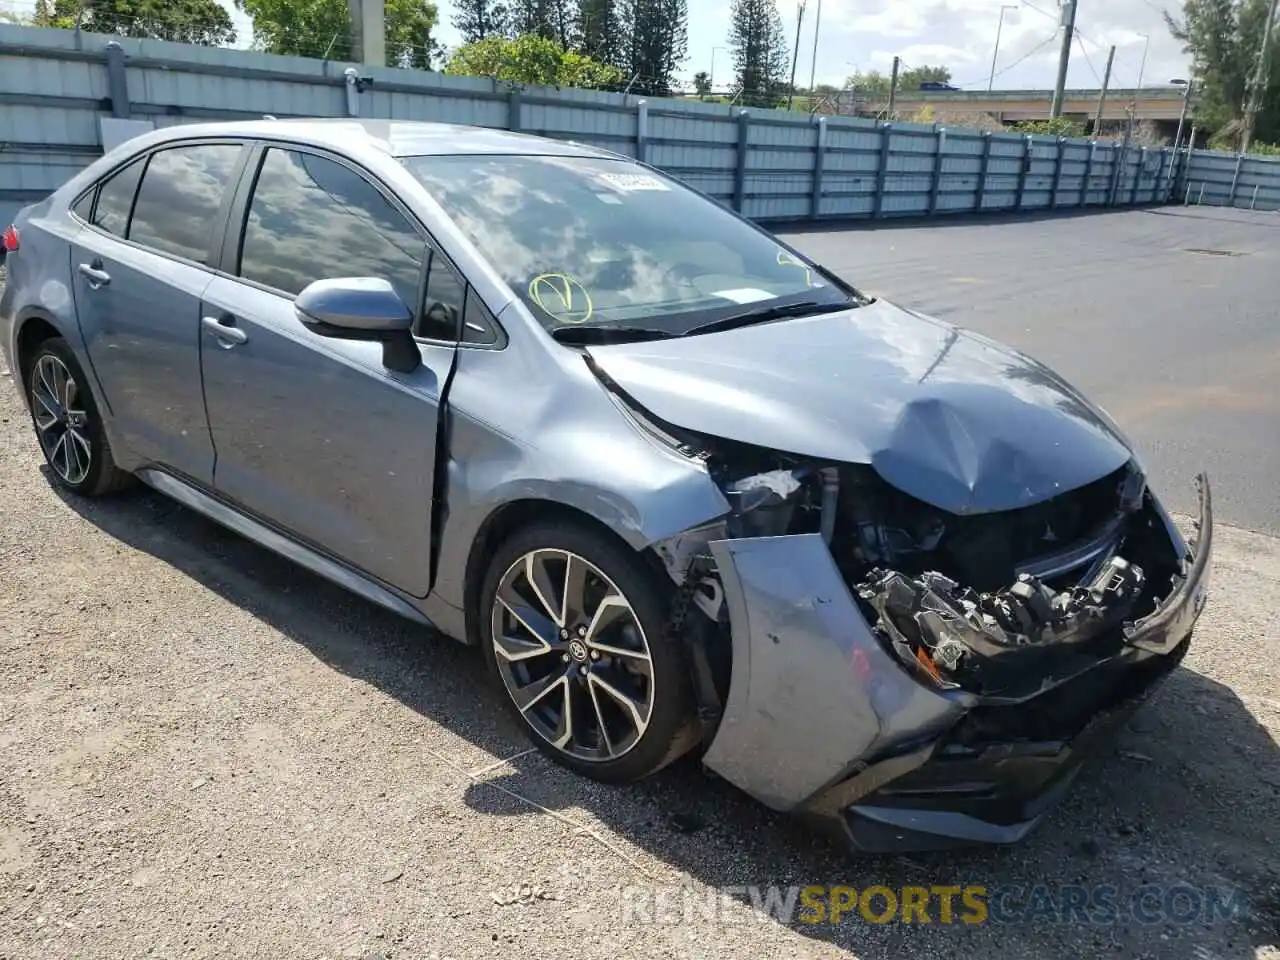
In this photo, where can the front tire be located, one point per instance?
(68, 424)
(574, 625)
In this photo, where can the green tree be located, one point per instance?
(322, 28)
(875, 84)
(531, 59)
(477, 19)
(1224, 38)
(204, 22)
(550, 19)
(758, 42)
(658, 31)
(702, 83)
(601, 32)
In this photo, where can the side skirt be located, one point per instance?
(290, 549)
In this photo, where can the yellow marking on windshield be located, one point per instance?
(787, 260)
(563, 291)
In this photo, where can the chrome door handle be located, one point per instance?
(94, 273)
(224, 330)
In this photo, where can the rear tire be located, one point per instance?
(603, 658)
(67, 423)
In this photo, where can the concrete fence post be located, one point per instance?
(1235, 179)
(983, 165)
(935, 185)
(1142, 174)
(1057, 172)
(351, 76)
(819, 162)
(1025, 169)
(117, 80)
(882, 172)
(740, 170)
(1157, 195)
(642, 129)
(514, 110)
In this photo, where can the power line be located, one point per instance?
(1022, 59)
(1084, 50)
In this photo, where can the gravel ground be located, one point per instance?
(209, 752)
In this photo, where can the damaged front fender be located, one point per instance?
(812, 691)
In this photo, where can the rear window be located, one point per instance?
(115, 198)
(181, 193)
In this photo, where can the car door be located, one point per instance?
(313, 433)
(138, 272)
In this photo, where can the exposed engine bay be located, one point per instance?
(998, 604)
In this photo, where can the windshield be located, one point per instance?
(589, 241)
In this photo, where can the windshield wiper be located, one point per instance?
(805, 308)
(591, 334)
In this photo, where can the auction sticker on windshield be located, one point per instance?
(631, 182)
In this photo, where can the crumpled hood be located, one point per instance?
(944, 415)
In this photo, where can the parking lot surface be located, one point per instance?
(208, 752)
(1168, 317)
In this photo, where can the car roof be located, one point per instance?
(397, 138)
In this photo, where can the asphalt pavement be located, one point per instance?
(1168, 317)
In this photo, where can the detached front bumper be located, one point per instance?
(822, 721)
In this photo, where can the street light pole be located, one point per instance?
(1182, 119)
(1142, 68)
(712, 78)
(999, 29)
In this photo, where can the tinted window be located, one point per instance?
(446, 293)
(115, 197)
(607, 242)
(181, 193)
(478, 325)
(315, 219)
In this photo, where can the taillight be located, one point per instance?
(11, 239)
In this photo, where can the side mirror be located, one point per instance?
(361, 308)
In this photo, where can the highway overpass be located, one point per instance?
(1159, 104)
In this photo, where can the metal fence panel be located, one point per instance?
(57, 85)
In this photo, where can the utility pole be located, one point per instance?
(1259, 81)
(1102, 98)
(368, 31)
(893, 86)
(1064, 57)
(795, 57)
(817, 27)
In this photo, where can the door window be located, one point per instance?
(311, 218)
(181, 193)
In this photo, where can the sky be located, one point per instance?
(960, 34)
(866, 35)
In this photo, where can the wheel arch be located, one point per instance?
(515, 515)
(33, 328)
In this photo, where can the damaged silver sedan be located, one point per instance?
(686, 489)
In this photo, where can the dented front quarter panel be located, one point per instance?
(812, 690)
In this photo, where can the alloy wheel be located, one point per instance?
(573, 655)
(61, 421)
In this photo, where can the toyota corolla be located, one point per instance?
(686, 489)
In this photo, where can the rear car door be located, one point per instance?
(314, 433)
(138, 273)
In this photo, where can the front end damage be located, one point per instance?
(909, 678)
